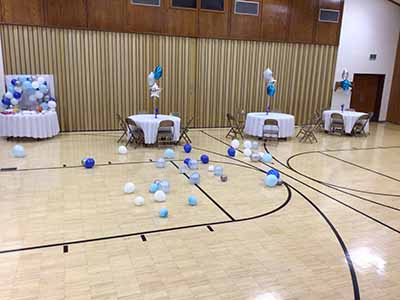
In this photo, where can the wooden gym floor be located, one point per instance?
(332, 231)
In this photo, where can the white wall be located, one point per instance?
(368, 26)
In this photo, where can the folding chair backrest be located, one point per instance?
(337, 117)
(271, 122)
(189, 123)
(121, 122)
(130, 122)
(231, 120)
(166, 123)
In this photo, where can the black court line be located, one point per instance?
(210, 228)
(8, 169)
(288, 165)
(207, 195)
(65, 249)
(120, 236)
(356, 288)
(361, 167)
(307, 185)
(143, 237)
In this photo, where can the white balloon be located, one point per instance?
(122, 150)
(14, 101)
(9, 95)
(39, 95)
(235, 144)
(32, 98)
(139, 201)
(247, 144)
(35, 84)
(160, 196)
(52, 105)
(150, 79)
(261, 154)
(41, 80)
(211, 168)
(268, 74)
(129, 188)
(345, 74)
(247, 152)
(18, 89)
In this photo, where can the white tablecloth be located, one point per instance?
(349, 117)
(255, 123)
(35, 125)
(150, 125)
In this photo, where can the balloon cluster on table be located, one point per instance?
(155, 90)
(269, 82)
(346, 85)
(34, 88)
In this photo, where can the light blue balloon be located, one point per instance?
(153, 188)
(218, 171)
(193, 164)
(44, 89)
(44, 106)
(192, 200)
(10, 88)
(267, 158)
(164, 186)
(195, 178)
(160, 163)
(27, 85)
(18, 151)
(271, 180)
(169, 153)
(163, 213)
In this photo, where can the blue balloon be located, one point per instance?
(163, 213)
(44, 89)
(193, 164)
(17, 95)
(187, 148)
(231, 152)
(27, 85)
(274, 172)
(44, 106)
(164, 186)
(153, 188)
(169, 153)
(10, 88)
(160, 163)
(270, 90)
(89, 163)
(158, 72)
(267, 158)
(14, 82)
(218, 171)
(192, 200)
(6, 102)
(346, 84)
(195, 178)
(204, 159)
(186, 161)
(271, 180)
(18, 151)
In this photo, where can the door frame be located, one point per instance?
(378, 102)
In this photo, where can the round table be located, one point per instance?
(30, 124)
(150, 124)
(255, 123)
(349, 117)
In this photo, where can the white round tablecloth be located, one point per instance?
(349, 117)
(30, 124)
(150, 124)
(255, 123)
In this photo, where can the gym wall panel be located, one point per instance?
(98, 74)
(230, 78)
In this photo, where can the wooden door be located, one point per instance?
(367, 93)
(394, 101)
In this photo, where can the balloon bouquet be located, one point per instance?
(155, 90)
(270, 85)
(346, 85)
(36, 90)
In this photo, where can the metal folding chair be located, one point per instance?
(337, 123)
(359, 126)
(235, 129)
(184, 132)
(135, 133)
(165, 134)
(271, 129)
(123, 126)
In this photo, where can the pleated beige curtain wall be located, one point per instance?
(98, 74)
